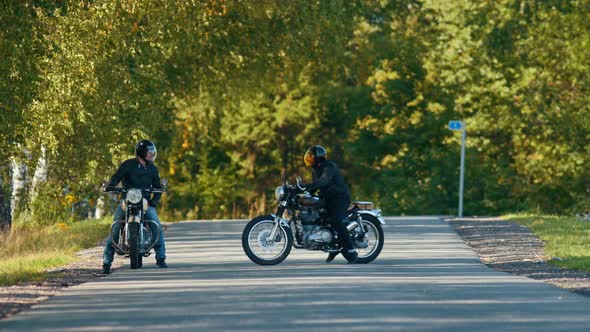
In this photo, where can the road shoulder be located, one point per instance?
(509, 247)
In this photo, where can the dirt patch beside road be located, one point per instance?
(509, 247)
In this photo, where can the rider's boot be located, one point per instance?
(351, 255)
(331, 256)
(106, 268)
(348, 252)
(161, 262)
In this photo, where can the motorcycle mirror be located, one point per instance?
(164, 183)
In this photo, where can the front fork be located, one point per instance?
(277, 223)
(125, 241)
(131, 219)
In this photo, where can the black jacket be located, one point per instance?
(135, 175)
(328, 180)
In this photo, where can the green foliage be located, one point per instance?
(234, 91)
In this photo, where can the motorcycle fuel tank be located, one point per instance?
(309, 201)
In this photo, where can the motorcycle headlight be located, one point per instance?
(279, 193)
(134, 196)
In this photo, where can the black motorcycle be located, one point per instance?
(137, 235)
(268, 239)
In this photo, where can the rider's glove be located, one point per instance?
(153, 203)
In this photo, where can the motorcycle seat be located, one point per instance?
(362, 205)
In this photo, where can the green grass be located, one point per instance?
(566, 240)
(28, 251)
(30, 268)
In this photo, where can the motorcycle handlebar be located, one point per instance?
(300, 183)
(123, 190)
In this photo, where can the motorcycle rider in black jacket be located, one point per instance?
(328, 180)
(140, 173)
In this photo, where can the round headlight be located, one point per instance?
(134, 196)
(279, 193)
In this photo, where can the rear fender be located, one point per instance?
(375, 213)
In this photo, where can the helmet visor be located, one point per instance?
(151, 154)
(308, 158)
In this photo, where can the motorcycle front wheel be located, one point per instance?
(260, 248)
(134, 245)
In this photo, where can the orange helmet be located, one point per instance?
(314, 155)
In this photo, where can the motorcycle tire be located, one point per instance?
(134, 245)
(284, 232)
(369, 220)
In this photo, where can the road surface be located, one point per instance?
(426, 279)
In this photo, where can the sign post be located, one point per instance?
(460, 126)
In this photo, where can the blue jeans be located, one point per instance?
(150, 214)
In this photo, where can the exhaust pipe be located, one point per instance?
(352, 226)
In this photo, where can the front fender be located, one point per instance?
(375, 213)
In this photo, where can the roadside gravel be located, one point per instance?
(509, 247)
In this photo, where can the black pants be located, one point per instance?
(336, 208)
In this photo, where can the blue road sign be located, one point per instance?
(456, 125)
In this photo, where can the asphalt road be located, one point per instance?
(426, 279)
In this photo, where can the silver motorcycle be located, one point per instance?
(136, 235)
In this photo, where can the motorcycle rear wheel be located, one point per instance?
(259, 248)
(374, 231)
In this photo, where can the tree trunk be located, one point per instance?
(5, 213)
(19, 184)
(100, 210)
(262, 204)
(40, 174)
(284, 160)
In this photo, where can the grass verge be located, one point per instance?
(29, 250)
(566, 239)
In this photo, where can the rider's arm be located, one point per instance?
(156, 183)
(119, 175)
(323, 181)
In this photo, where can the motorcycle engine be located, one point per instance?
(308, 216)
(314, 237)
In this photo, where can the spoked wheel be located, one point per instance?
(258, 245)
(374, 239)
